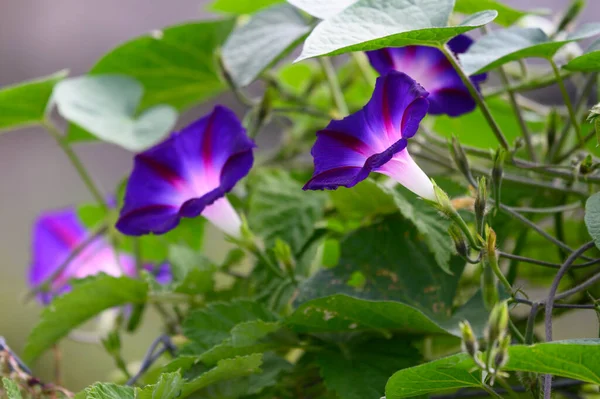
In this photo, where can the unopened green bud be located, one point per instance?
(443, 202)
(501, 356)
(283, 253)
(469, 342)
(459, 240)
(586, 166)
(490, 240)
(112, 342)
(460, 158)
(498, 323)
(571, 13)
(489, 286)
(480, 204)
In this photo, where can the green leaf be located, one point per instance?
(226, 369)
(365, 200)
(576, 359)
(445, 374)
(364, 369)
(589, 61)
(404, 288)
(105, 106)
(107, 391)
(192, 271)
(267, 37)
(176, 65)
(371, 25)
(26, 103)
(247, 333)
(322, 9)
(504, 45)
(506, 14)
(592, 217)
(241, 6)
(87, 299)
(11, 389)
(368, 199)
(169, 386)
(211, 325)
(280, 209)
(473, 130)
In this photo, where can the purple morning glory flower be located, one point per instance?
(374, 139)
(428, 66)
(188, 175)
(56, 234)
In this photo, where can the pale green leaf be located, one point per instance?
(265, 38)
(589, 61)
(106, 106)
(87, 300)
(322, 9)
(506, 14)
(106, 391)
(11, 389)
(26, 103)
(169, 386)
(512, 44)
(280, 209)
(227, 369)
(371, 25)
(192, 271)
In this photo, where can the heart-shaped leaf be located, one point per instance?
(512, 44)
(105, 105)
(322, 9)
(588, 61)
(268, 36)
(371, 25)
(506, 15)
(25, 103)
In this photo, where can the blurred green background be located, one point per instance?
(38, 38)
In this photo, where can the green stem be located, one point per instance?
(493, 261)
(477, 97)
(567, 99)
(531, 84)
(76, 162)
(334, 86)
(363, 66)
(520, 119)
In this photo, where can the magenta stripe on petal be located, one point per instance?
(347, 151)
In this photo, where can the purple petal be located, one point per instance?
(183, 175)
(55, 236)
(429, 67)
(347, 151)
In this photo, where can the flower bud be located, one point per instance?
(283, 254)
(490, 241)
(498, 323)
(443, 203)
(501, 356)
(587, 165)
(459, 240)
(112, 342)
(460, 158)
(572, 12)
(469, 342)
(489, 286)
(480, 204)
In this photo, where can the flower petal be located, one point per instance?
(429, 67)
(181, 176)
(405, 171)
(347, 151)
